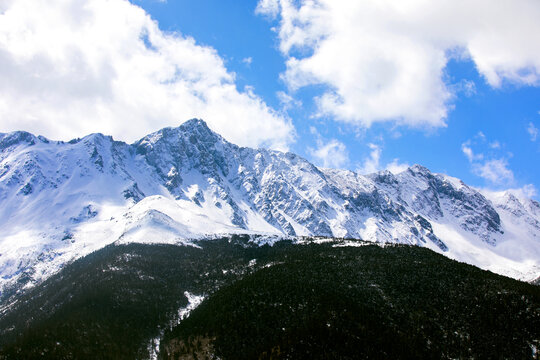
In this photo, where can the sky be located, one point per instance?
(453, 85)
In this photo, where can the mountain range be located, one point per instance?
(60, 201)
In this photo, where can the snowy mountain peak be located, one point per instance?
(198, 126)
(59, 201)
(18, 138)
(194, 130)
(97, 138)
(419, 169)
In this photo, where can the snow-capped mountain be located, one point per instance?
(63, 200)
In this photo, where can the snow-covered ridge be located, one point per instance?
(62, 200)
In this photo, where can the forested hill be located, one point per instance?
(311, 300)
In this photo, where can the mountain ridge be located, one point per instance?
(62, 200)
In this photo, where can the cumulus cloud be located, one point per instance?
(71, 67)
(495, 171)
(268, 7)
(331, 154)
(373, 162)
(527, 191)
(490, 167)
(385, 60)
(397, 167)
(328, 153)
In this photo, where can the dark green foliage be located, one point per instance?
(295, 301)
(369, 302)
(110, 304)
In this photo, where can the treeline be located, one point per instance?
(280, 301)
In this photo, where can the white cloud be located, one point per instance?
(490, 166)
(396, 167)
(527, 191)
(247, 61)
(468, 87)
(268, 7)
(495, 171)
(465, 87)
(70, 67)
(533, 131)
(373, 162)
(467, 150)
(332, 154)
(287, 101)
(385, 60)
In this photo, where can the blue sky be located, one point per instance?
(503, 115)
(368, 86)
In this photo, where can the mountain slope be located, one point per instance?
(310, 300)
(397, 302)
(60, 201)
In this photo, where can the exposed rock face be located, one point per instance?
(191, 182)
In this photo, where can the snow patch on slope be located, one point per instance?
(60, 201)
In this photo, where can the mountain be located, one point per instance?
(60, 201)
(230, 298)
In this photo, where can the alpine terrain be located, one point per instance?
(60, 201)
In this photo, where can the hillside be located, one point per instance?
(317, 299)
(399, 302)
(60, 201)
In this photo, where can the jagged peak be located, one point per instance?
(278, 190)
(383, 176)
(93, 139)
(200, 129)
(43, 139)
(385, 172)
(196, 127)
(417, 168)
(16, 138)
(97, 138)
(195, 124)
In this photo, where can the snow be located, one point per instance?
(350, 243)
(154, 347)
(61, 201)
(183, 313)
(193, 302)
